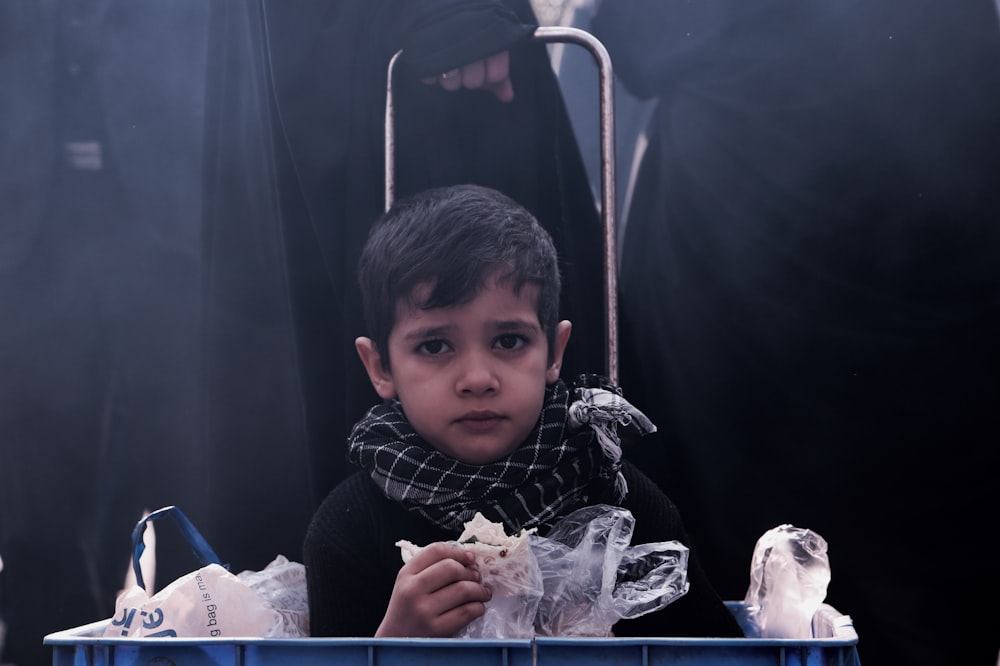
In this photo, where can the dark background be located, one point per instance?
(810, 293)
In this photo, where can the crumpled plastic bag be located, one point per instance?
(789, 575)
(593, 577)
(209, 601)
(212, 602)
(577, 581)
(282, 586)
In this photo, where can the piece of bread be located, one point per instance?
(505, 562)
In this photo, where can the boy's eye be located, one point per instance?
(510, 341)
(433, 347)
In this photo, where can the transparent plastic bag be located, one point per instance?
(516, 583)
(789, 575)
(593, 577)
(281, 585)
(577, 581)
(508, 567)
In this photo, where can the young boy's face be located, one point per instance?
(471, 378)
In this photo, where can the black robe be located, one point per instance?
(810, 288)
(178, 324)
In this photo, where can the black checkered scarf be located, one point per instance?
(574, 446)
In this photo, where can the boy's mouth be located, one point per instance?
(479, 420)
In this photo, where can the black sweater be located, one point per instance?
(351, 561)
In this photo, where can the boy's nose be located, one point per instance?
(477, 376)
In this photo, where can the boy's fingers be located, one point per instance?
(456, 619)
(445, 573)
(460, 593)
(439, 550)
(451, 608)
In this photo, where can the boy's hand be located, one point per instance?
(436, 594)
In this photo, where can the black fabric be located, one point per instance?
(810, 295)
(350, 554)
(433, 46)
(100, 186)
(178, 326)
(331, 182)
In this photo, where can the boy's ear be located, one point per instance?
(381, 378)
(563, 330)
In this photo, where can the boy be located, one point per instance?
(460, 289)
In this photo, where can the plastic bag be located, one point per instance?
(282, 586)
(789, 575)
(211, 601)
(508, 566)
(593, 577)
(578, 581)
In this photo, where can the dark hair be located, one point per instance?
(454, 238)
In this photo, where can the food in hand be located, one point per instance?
(504, 561)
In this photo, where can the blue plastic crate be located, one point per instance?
(693, 652)
(86, 646)
(835, 645)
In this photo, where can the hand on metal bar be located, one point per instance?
(492, 74)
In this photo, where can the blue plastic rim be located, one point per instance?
(86, 646)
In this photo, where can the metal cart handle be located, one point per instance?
(607, 205)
